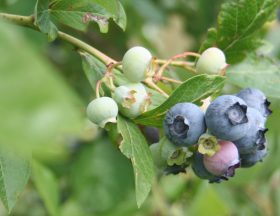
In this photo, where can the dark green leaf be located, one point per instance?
(47, 186)
(239, 23)
(78, 14)
(193, 90)
(14, 174)
(258, 72)
(135, 147)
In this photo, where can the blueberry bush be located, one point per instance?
(151, 107)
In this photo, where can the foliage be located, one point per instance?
(76, 169)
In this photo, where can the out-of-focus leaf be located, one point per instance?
(257, 72)
(193, 90)
(101, 178)
(135, 147)
(78, 14)
(239, 21)
(208, 202)
(93, 68)
(37, 109)
(47, 186)
(14, 174)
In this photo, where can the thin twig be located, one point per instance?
(151, 84)
(165, 65)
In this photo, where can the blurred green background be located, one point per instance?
(43, 94)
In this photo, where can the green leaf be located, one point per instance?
(14, 174)
(78, 14)
(193, 90)
(239, 23)
(93, 68)
(43, 20)
(210, 40)
(135, 147)
(47, 186)
(38, 111)
(259, 72)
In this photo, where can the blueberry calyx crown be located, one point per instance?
(229, 173)
(261, 140)
(180, 126)
(266, 107)
(236, 114)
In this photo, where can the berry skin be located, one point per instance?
(224, 162)
(256, 99)
(199, 168)
(255, 136)
(211, 61)
(184, 124)
(102, 110)
(151, 134)
(250, 159)
(132, 99)
(136, 63)
(226, 118)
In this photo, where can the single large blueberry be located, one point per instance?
(255, 136)
(224, 162)
(250, 159)
(184, 124)
(256, 99)
(226, 118)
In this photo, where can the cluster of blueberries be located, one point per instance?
(236, 122)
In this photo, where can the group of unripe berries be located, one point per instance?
(131, 99)
(236, 132)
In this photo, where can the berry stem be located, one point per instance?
(168, 62)
(151, 84)
(28, 21)
(184, 64)
(97, 88)
(170, 80)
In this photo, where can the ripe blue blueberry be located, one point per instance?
(132, 99)
(184, 124)
(226, 118)
(255, 136)
(250, 159)
(223, 162)
(102, 110)
(211, 61)
(256, 99)
(136, 63)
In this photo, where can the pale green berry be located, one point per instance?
(211, 61)
(132, 99)
(136, 63)
(102, 110)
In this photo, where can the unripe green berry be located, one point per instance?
(132, 99)
(136, 63)
(211, 61)
(102, 110)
